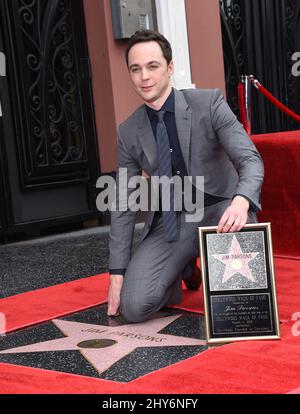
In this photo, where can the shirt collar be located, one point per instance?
(168, 106)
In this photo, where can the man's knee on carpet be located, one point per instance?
(139, 310)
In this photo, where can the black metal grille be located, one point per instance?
(51, 137)
(48, 148)
(259, 38)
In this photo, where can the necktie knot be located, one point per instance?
(160, 115)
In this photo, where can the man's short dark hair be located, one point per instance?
(150, 36)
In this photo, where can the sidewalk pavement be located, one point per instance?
(46, 261)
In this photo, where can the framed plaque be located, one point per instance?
(239, 284)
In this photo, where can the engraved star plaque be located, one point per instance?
(239, 284)
(103, 345)
(236, 261)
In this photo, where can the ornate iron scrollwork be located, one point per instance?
(232, 35)
(52, 140)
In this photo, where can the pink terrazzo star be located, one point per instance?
(236, 261)
(114, 342)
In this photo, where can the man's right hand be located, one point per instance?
(114, 294)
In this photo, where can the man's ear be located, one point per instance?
(171, 68)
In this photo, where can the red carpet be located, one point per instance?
(247, 367)
(280, 192)
(49, 303)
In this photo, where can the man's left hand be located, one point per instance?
(235, 216)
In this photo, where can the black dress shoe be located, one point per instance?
(194, 282)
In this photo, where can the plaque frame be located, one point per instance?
(234, 305)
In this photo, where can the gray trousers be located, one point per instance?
(153, 277)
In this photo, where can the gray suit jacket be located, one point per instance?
(214, 145)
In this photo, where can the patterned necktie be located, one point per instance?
(165, 169)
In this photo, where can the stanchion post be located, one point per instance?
(246, 80)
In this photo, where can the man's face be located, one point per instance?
(149, 72)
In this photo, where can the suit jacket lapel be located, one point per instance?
(147, 140)
(183, 116)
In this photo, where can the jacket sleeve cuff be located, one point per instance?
(117, 271)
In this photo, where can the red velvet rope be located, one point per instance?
(241, 103)
(275, 101)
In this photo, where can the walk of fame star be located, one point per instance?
(236, 261)
(102, 345)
